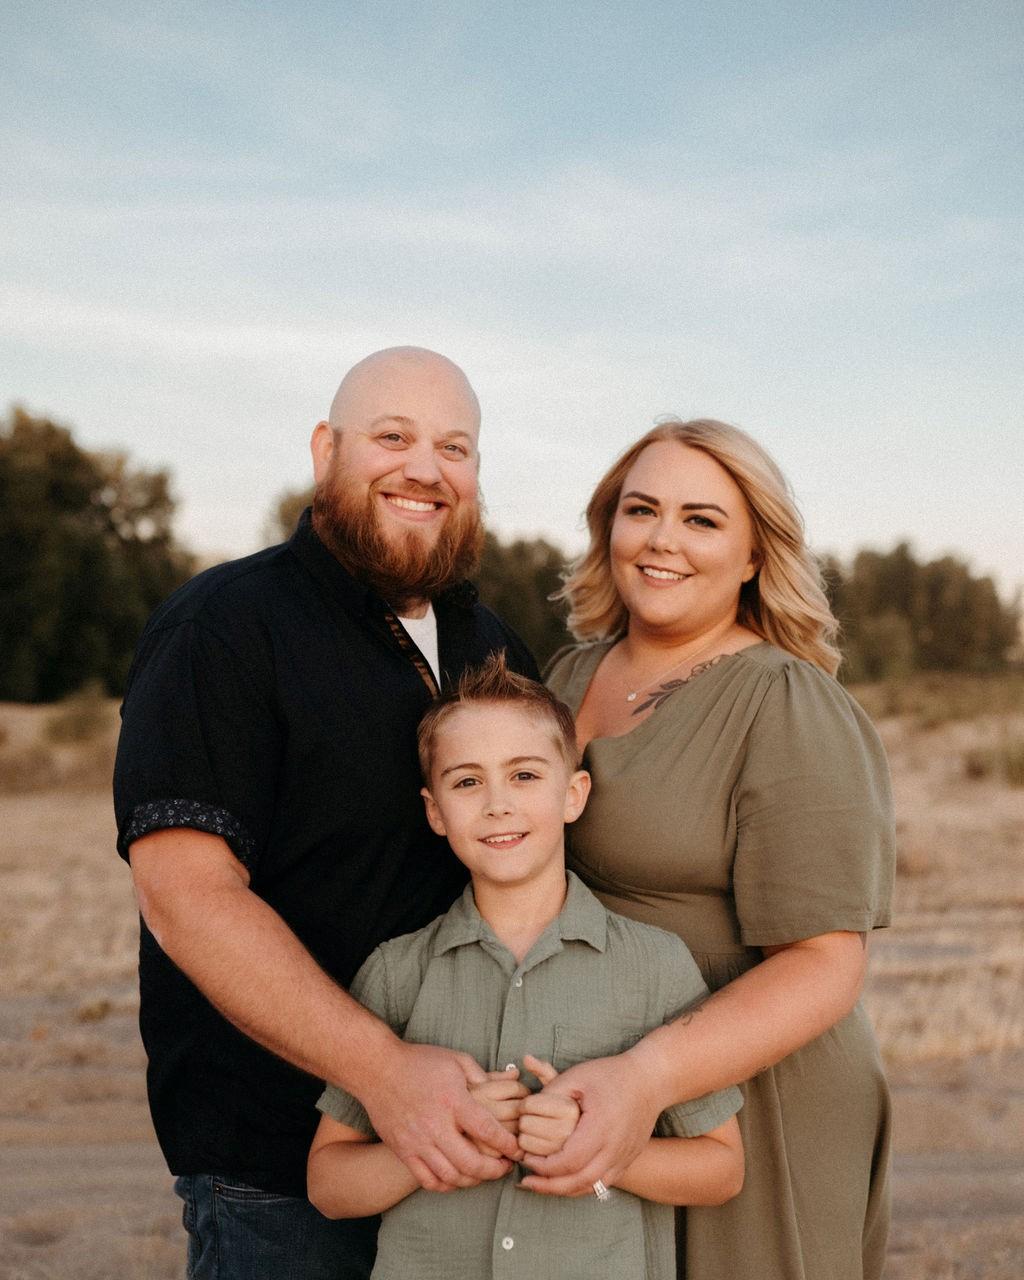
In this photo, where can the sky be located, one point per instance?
(803, 218)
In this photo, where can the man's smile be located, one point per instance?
(414, 504)
(411, 504)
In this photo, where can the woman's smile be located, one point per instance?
(656, 574)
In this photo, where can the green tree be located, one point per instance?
(516, 580)
(280, 524)
(899, 615)
(883, 650)
(90, 553)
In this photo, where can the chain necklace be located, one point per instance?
(633, 694)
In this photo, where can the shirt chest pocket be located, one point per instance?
(575, 1043)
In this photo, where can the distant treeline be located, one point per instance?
(899, 615)
(89, 553)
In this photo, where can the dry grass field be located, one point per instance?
(83, 1191)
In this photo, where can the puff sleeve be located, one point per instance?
(815, 846)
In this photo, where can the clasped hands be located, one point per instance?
(541, 1122)
(422, 1102)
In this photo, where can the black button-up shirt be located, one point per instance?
(274, 701)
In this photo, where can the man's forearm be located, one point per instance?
(221, 934)
(195, 898)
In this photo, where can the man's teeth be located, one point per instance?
(666, 574)
(410, 504)
(506, 839)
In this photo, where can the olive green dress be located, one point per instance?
(753, 808)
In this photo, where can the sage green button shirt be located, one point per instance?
(592, 985)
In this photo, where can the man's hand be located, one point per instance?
(419, 1103)
(501, 1093)
(618, 1115)
(546, 1119)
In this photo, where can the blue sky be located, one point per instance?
(804, 218)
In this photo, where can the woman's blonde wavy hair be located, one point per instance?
(783, 603)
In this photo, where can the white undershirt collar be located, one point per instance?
(423, 633)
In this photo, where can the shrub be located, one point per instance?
(935, 698)
(80, 716)
(32, 769)
(1004, 761)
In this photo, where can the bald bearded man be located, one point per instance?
(267, 798)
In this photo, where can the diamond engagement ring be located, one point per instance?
(601, 1191)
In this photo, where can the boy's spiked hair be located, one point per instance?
(493, 682)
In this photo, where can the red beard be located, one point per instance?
(403, 567)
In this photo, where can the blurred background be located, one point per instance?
(804, 218)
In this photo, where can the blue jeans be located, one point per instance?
(237, 1232)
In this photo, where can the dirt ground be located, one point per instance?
(83, 1190)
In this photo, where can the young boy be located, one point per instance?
(529, 974)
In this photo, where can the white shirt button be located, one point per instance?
(518, 982)
(510, 1066)
(507, 1243)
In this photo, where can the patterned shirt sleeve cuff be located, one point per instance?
(157, 815)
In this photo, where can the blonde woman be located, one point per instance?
(741, 799)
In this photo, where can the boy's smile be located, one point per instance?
(501, 791)
(505, 841)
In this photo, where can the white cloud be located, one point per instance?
(735, 244)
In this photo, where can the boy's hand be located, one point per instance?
(502, 1094)
(546, 1120)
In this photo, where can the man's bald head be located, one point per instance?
(395, 465)
(398, 376)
